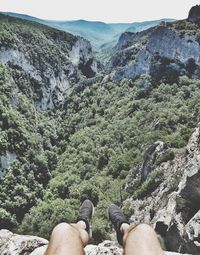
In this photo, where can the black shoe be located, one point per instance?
(117, 218)
(86, 211)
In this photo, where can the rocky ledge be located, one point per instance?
(172, 207)
(13, 244)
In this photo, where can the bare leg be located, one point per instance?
(68, 239)
(140, 240)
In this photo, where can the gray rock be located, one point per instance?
(152, 153)
(5, 161)
(192, 229)
(173, 207)
(150, 157)
(156, 52)
(111, 248)
(194, 14)
(12, 244)
(107, 247)
(53, 81)
(125, 40)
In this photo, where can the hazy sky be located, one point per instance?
(103, 10)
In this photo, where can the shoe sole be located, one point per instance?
(90, 232)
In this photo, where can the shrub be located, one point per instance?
(46, 215)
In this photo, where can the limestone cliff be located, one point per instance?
(172, 207)
(162, 52)
(45, 63)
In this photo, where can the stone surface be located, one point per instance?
(54, 81)
(111, 248)
(125, 40)
(107, 247)
(173, 207)
(156, 52)
(5, 161)
(152, 154)
(194, 14)
(12, 244)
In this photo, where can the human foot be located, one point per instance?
(117, 218)
(86, 212)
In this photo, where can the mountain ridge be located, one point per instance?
(90, 29)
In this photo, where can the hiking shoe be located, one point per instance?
(86, 212)
(117, 218)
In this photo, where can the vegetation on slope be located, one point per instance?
(87, 148)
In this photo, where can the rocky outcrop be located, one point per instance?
(54, 86)
(12, 244)
(107, 247)
(160, 52)
(173, 207)
(47, 71)
(155, 153)
(112, 248)
(82, 57)
(125, 40)
(5, 161)
(150, 158)
(194, 14)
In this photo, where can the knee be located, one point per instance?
(144, 228)
(62, 227)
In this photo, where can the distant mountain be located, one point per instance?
(159, 52)
(98, 33)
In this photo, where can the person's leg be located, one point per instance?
(68, 239)
(140, 240)
(72, 238)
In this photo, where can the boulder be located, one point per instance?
(13, 244)
(194, 14)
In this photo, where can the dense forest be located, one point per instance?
(87, 147)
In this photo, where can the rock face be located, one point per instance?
(150, 157)
(194, 14)
(54, 63)
(124, 40)
(160, 52)
(11, 244)
(82, 57)
(152, 154)
(6, 160)
(173, 207)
